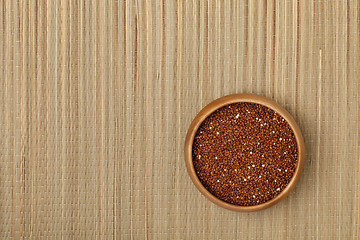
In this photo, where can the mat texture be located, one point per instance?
(96, 98)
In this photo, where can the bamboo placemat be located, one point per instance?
(96, 98)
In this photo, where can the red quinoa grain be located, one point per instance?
(245, 153)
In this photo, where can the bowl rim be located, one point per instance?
(236, 98)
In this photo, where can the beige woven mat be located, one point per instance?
(96, 98)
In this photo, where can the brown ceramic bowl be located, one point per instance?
(251, 98)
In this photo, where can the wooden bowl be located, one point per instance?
(236, 98)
